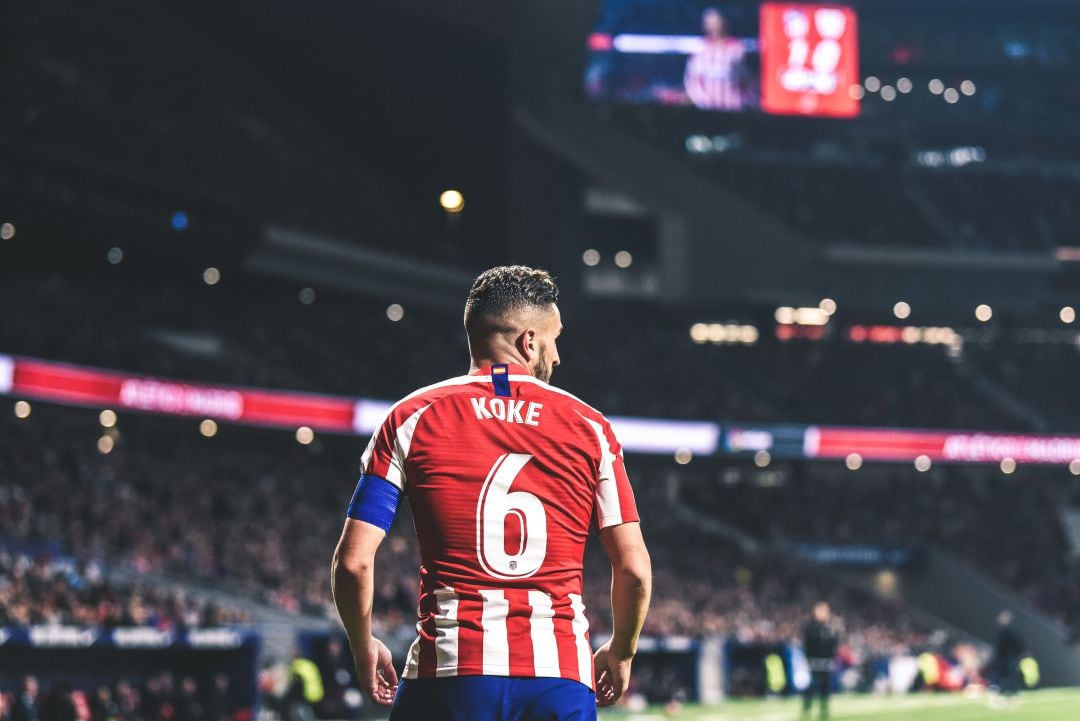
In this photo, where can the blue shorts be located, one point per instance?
(493, 698)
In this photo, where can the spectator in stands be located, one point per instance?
(24, 706)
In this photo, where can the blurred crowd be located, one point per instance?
(41, 589)
(260, 520)
(1007, 526)
(158, 697)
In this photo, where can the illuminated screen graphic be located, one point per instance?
(780, 58)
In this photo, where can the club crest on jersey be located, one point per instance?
(507, 410)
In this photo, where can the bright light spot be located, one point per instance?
(901, 310)
(827, 306)
(105, 445)
(1067, 314)
(395, 312)
(208, 427)
(749, 335)
(22, 409)
(179, 221)
(591, 257)
(452, 201)
(904, 85)
(951, 96)
(307, 296)
(7, 231)
(699, 332)
(922, 464)
(984, 312)
(304, 435)
(853, 462)
(937, 87)
(107, 418)
(886, 582)
(115, 256)
(856, 92)
(888, 93)
(683, 456)
(1008, 465)
(785, 315)
(211, 276)
(623, 259)
(872, 83)
(698, 144)
(967, 88)
(762, 459)
(1074, 466)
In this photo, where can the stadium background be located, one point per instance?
(840, 351)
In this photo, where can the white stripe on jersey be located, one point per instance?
(607, 489)
(446, 633)
(581, 627)
(412, 665)
(496, 643)
(542, 630)
(395, 472)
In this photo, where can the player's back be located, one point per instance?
(504, 474)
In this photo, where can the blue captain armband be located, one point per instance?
(375, 501)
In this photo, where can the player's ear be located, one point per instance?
(526, 344)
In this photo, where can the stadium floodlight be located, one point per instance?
(208, 428)
(452, 201)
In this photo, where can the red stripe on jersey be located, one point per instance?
(568, 650)
(519, 633)
(470, 635)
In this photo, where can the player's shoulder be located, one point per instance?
(564, 397)
(426, 396)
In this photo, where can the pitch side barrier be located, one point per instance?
(86, 657)
(76, 385)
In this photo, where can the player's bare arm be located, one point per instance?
(352, 579)
(631, 588)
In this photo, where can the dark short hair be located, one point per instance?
(503, 290)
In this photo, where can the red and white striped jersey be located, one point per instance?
(505, 475)
(712, 75)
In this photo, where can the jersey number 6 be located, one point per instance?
(496, 503)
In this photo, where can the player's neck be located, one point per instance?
(493, 359)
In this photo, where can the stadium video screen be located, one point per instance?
(774, 57)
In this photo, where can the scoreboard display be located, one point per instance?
(774, 57)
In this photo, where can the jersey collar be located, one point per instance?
(512, 368)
